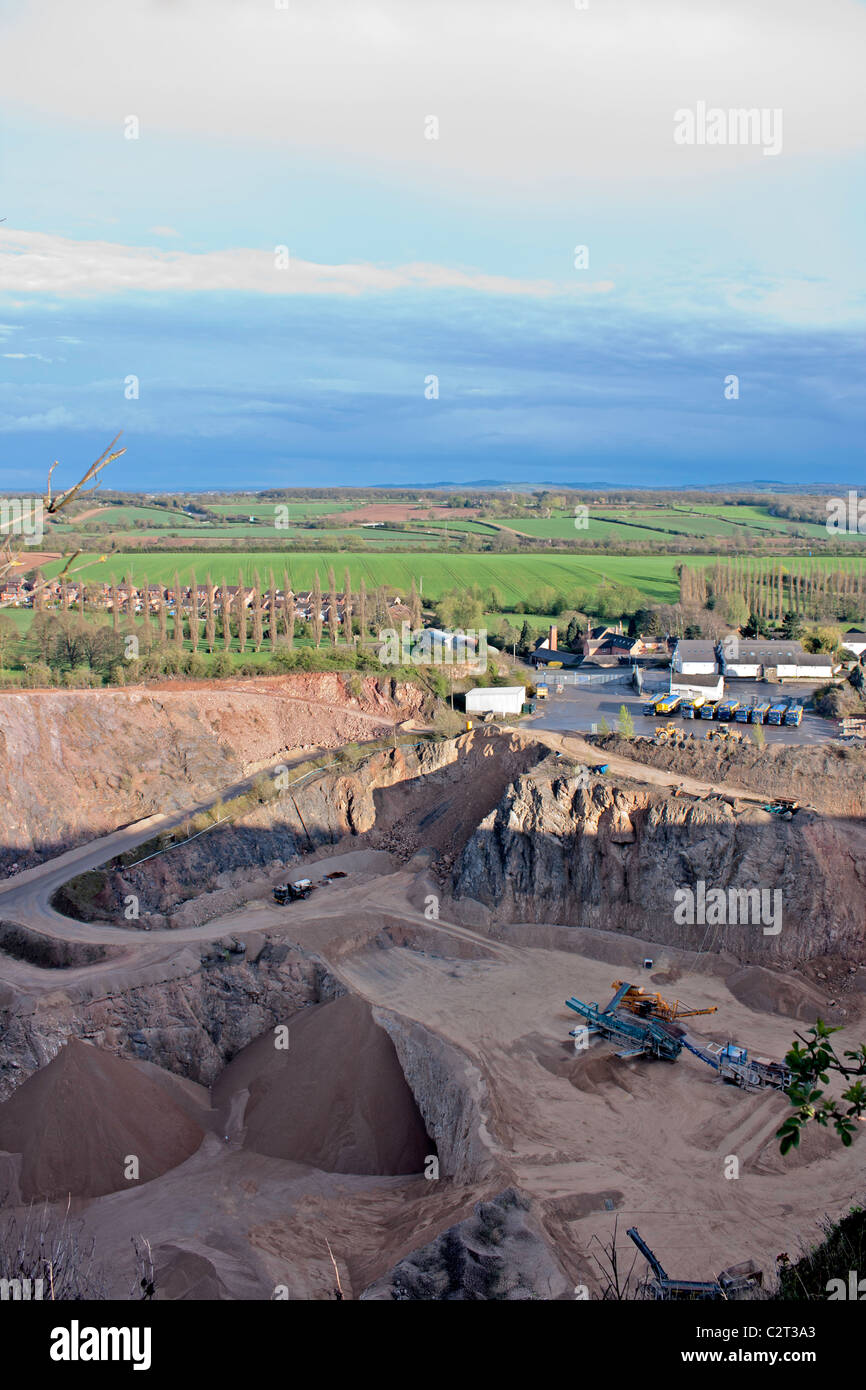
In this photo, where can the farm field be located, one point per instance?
(646, 523)
(514, 576)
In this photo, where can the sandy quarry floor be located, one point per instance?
(253, 1181)
(591, 1139)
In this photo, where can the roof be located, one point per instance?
(703, 678)
(696, 649)
(768, 651)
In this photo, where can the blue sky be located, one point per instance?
(260, 128)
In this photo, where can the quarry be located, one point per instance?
(374, 1089)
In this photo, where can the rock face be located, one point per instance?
(446, 774)
(190, 1018)
(76, 764)
(615, 856)
(498, 1253)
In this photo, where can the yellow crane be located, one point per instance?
(637, 1001)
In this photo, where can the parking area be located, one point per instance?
(580, 708)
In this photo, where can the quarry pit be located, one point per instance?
(374, 1090)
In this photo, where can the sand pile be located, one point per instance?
(336, 1098)
(77, 1120)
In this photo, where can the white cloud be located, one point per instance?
(20, 356)
(524, 92)
(39, 263)
(164, 231)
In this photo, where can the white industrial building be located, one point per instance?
(502, 699)
(855, 641)
(710, 686)
(695, 658)
(775, 659)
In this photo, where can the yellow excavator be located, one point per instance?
(637, 1001)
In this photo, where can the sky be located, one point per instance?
(318, 243)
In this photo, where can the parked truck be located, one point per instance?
(727, 709)
(291, 892)
(794, 714)
(777, 712)
(708, 711)
(759, 712)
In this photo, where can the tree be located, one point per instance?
(316, 611)
(793, 626)
(8, 639)
(348, 631)
(258, 628)
(625, 723)
(272, 611)
(362, 612)
(178, 611)
(193, 612)
(210, 616)
(333, 620)
(524, 641)
(240, 602)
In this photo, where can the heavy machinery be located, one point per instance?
(641, 1037)
(737, 1281)
(725, 735)
(759, 712)
(777, 712)
(743, 714)
(690, 709)
(727, 709)
(669, 704)
(794, 714)
(708, 711)
(647, 1005)
(734, 1064)
(291, 892)
(646, 1025)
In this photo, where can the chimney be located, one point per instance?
(552, 639)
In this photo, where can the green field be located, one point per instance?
(515, 576)
(649, 523)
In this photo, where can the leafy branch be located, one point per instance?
(811, 1063)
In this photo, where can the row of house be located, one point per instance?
(137, 599)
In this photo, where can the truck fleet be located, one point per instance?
(788, 712)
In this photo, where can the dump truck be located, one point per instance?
(727, 709)
(691, 708)
(794, 715)
(777, 712)
(708, 711)
(759, 712)
(743, 713)
(669, 704)
(291, 892)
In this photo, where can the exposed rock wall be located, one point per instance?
(613, 857)
(77, 764)
(198, 1011)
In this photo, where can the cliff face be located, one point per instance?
(615, 857)
(407, 794)
(76, 764)
(189, 1015)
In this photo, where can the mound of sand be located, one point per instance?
(335, 1099)
(76, 1122)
